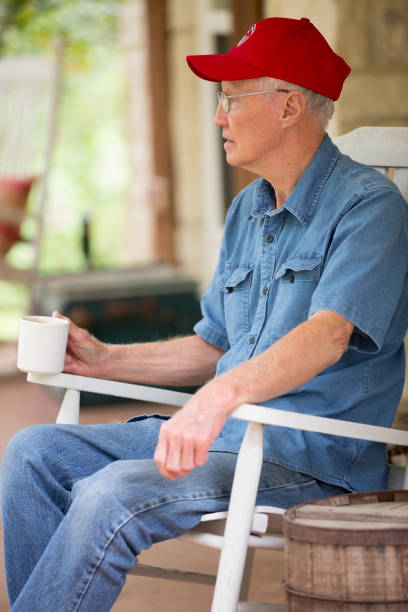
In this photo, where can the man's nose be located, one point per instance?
(221, 117)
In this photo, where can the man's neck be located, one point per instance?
(288, 162)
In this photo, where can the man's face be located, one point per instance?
(251, 128)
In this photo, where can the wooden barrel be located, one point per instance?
(348, 553)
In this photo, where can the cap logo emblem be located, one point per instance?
(247, 35)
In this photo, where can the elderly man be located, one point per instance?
(307, 311)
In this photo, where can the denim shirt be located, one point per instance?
(339, 243)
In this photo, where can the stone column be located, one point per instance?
(372, 35)
(138, 233)
(186, 148)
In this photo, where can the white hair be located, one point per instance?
(317, 104)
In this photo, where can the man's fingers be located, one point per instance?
(160, 456)
(187, 454)
(176, 452)
(58, 315)
(73, 328)
(201, 452)
(160, 453)
(185, 440)
(179, 459)
(172, 463)
(69, 364)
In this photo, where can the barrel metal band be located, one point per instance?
(365, 600)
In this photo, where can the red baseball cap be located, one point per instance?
(288, 49)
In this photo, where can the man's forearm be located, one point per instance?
(180, 361)
(291, 362)
(186, 438)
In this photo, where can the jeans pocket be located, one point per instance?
(142, 417)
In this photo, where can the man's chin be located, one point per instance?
(232, 160)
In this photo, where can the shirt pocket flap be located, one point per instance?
(302, 267)
(238, 278)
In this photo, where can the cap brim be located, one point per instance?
(222, 67)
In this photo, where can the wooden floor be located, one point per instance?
(25, 404)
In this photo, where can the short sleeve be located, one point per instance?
(364, 275)
(212, 326)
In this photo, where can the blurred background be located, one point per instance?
(113, 184)
(109, 160)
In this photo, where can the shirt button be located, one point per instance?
(291, 278)
(252, 340)
(265, 290)
(269, 238)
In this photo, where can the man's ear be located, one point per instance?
(295, 108)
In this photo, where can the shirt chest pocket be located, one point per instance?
(235, 284)
(296, 279)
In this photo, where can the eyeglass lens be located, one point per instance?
(223, 100)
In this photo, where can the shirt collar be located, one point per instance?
(303, 199)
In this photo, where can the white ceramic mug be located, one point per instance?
(42, 343)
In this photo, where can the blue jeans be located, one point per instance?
(79, 502)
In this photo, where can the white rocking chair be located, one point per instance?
(29, 95)
(248, 527)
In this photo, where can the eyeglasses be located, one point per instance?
(224, 100)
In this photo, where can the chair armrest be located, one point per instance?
(111, 387)
(325, 425)
(246, 412)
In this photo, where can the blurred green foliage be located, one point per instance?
(31, 25)
(90, 169)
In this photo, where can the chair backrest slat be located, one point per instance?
(401, 180)
(382, 170)
(383, 148)
(26, 85)
(376, 146)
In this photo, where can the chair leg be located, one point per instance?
(239, 521)
(246, 578)
(69, 411)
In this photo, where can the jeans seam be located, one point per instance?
(305, 472)
(291, 485)
(123, 523)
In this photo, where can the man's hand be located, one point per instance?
(186, 438)
(85, 354)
